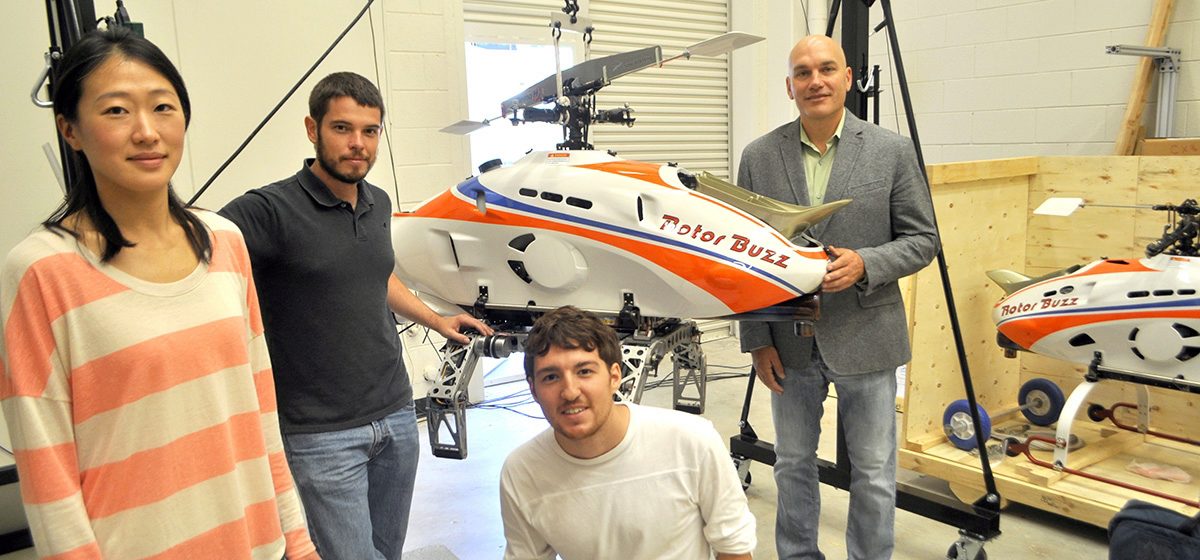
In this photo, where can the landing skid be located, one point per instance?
(448, 397)
(1098, 372)
(642, 350)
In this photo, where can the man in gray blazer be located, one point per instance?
(887, 232)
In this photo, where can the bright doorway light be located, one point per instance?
(497, 71)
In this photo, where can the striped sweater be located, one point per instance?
(143, 414)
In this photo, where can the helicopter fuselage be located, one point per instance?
(589, 229)
(1142, 315)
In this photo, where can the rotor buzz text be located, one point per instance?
(1044, 303)
(737, 243)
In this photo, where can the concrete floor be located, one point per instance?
(456, 509)
(456, 512)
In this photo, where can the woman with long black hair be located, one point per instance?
(136, 382)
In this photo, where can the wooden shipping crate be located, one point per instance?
(985, 214)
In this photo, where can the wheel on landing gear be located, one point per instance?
(1011, 448)
(1041, 401)
(952, 554)
(960, 430)
(742, 465)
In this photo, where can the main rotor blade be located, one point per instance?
(600, 70)
(464, 127)
(1065, 206)
(1059, 206)
(723, 43)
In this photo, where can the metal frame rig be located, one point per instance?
(571, 94)
(645, 341)
(1181, 236)
(568, 98)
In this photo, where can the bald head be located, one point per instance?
(818, 79)
(820, 43)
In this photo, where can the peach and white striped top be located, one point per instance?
(143, 414)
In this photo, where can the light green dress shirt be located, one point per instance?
(817, 166)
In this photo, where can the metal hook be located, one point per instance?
(865, 83)
(41, 80)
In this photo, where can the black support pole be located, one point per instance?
(855, 43)
(69, 20)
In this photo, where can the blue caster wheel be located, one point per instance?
(960, 430)
(1041, 401)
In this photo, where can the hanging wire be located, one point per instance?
(892, 83)
(386, 129)
(804, 8)
(279, 105)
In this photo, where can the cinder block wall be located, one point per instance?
(238, 59)
(1003, 78)
(428, 90)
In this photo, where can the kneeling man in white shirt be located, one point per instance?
(614, 480)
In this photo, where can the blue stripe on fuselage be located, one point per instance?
(471, 187)
(1194, 302)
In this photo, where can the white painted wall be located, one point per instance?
(238, 59)
(989, 78)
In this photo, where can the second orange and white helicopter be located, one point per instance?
(1133, 320)
(1141, 315)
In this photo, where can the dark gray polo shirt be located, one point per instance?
(322, 269)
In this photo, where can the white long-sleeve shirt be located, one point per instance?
(669, 490)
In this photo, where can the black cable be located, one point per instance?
(745, 367)
(892, 67)
(386, 134)
(711, 377)
(514, 411)
(804, 8)
(405, 329)
(497, 403)
(494, 400)
(279, 105)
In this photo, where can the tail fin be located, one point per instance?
(1008, 280)
(789, 219)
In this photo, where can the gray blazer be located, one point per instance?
(890, 224)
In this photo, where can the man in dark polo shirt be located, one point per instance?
(320, 246)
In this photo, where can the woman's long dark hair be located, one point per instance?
(77, 64)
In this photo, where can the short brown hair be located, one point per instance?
(343, 84)
(570, 327)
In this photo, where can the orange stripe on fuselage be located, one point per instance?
(1029, 331)
(649, 172)
(639, 170)
(1104, 267)
(737, 289)
(1111, 266)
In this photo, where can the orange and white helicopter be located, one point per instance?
(647, 246)
(1129, 320)
(1142, 315)
(618, 237)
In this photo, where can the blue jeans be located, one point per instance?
(867, 409)
(357, 485)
